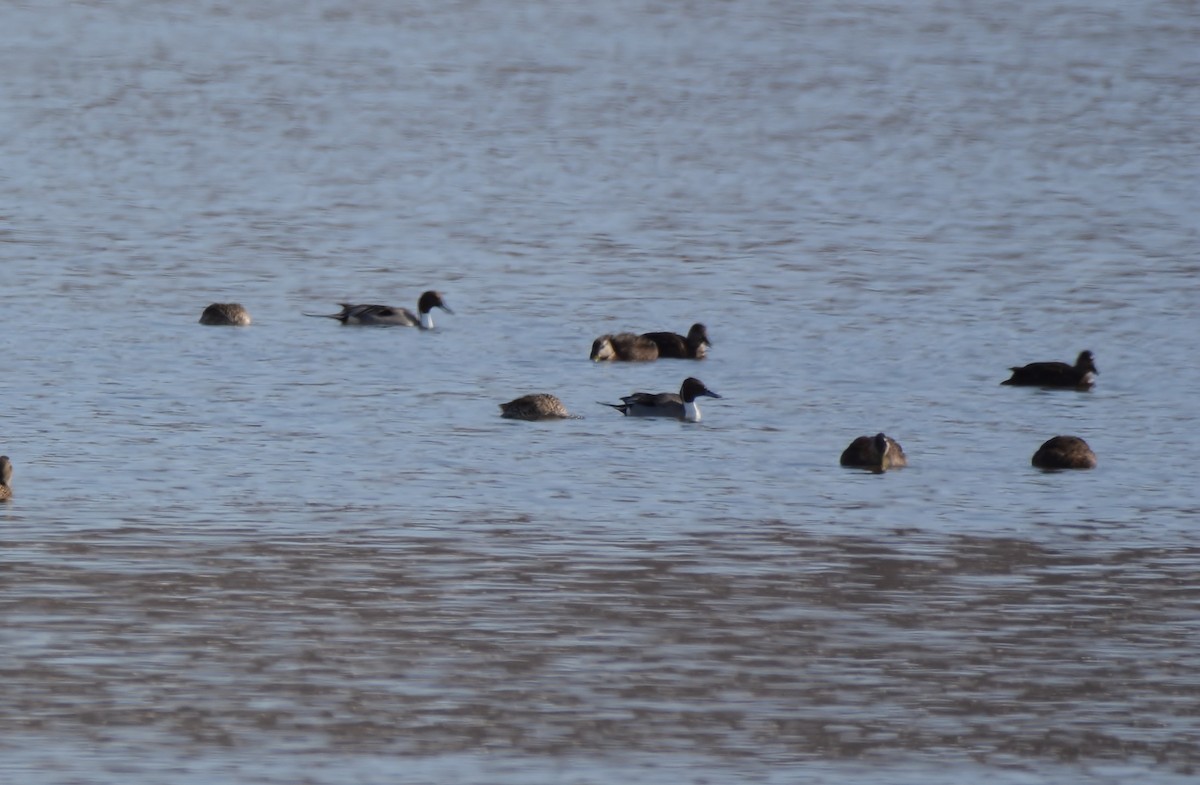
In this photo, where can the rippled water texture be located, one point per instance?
(304, 553)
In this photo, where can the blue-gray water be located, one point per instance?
(303, 553)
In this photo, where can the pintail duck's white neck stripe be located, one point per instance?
(426, 321)
(691, 412)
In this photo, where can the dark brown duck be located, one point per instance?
(694, 346)
(1081, 375)
(1065, 452)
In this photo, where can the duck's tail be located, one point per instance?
(340, 315)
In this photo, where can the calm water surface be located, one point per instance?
(302, 553)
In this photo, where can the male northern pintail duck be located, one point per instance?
(626, 347)
(1081, 375)
(631, 347)
(681, 407)
(879, 453)
(693, 347)
(536, 406)
(389, 316)
(228, 314)
(5, 478)
(1065, 452)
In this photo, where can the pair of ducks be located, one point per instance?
(877, 453)
(880, 453)
(631, 347)
(235, 315)
(1060, 452)
(681, 406)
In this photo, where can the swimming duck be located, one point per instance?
(682, 406)
(537, 406)
(230, 314)
(1081, 375)
(879, 452)
(5, 478)
(389, 316)
(1065, 452)
(626, 347)
(694, 347)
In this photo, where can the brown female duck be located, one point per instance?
(624, 347)
(225, 314)
(536, 406)
(1065, 452)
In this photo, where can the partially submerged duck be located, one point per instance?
(536, 406)
(1081, 375)
(390, 316)
(879, 453)
(5, 478)
(692, 347)
(624, 347)
(681, 407)
(1065, 452)
(225, 314)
